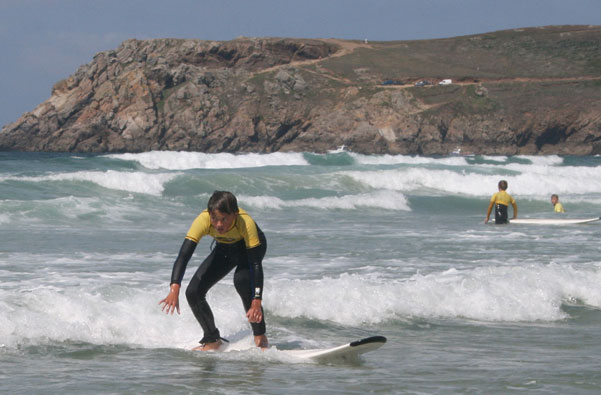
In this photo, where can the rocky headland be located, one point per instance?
(522, 91)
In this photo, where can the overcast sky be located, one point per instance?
(44, 41)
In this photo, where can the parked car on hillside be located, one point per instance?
(423, 83)
(445, 82)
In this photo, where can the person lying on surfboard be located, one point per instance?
(501, 201)
(557, 207)
(240, 244)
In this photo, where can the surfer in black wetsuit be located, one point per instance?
(240, 244)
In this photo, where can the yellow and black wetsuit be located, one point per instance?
(242, 247)
(501, 201)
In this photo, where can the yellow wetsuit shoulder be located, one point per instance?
(558, 208)
(503, 198)
(244, 228)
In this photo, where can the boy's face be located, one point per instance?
(553, 200)
(222, 222)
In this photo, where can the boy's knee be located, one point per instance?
(190, 293)
(242, 281)
(194, 293)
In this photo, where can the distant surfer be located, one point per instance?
(557, 207)
(240, 244)
(501, 201)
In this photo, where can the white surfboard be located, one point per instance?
(347, 352)
(553, 221)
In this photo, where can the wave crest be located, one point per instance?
(172, 160)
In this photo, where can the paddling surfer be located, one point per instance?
(240, 244)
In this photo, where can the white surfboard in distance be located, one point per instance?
(349, 352)
(553, 221)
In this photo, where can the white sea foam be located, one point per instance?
(4, 218)
(538, 181)
(453, 175)
(417, 179)
(505, 294)
(500, 159)
(98, 312)
(528, 180)
(387, 200)
(172, 160)
(404, 159)
(548, 160)
(137, 182)
(114, 211)
(66, 301)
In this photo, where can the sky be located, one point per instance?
(45, 41)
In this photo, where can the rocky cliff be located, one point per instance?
(527, 91)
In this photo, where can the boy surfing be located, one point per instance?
(240, 244)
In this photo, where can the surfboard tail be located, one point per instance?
(367, 340)
(348, 352)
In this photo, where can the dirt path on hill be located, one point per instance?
(347, 47)
(496, 81)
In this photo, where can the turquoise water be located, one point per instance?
(358, 245)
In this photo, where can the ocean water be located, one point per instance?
(357, 246)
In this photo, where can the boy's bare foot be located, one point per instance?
(213, 346)
(261, 341)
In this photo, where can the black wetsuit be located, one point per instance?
(501, 214)
(248, 277)
(220, 262)
(501, 201)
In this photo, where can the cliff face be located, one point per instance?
(517, 92)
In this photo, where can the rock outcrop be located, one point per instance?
(265, 95)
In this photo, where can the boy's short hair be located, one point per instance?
(223, 201)
(503, 185)
(554, 196)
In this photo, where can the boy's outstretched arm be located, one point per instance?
(171, 302)
(490, 206)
